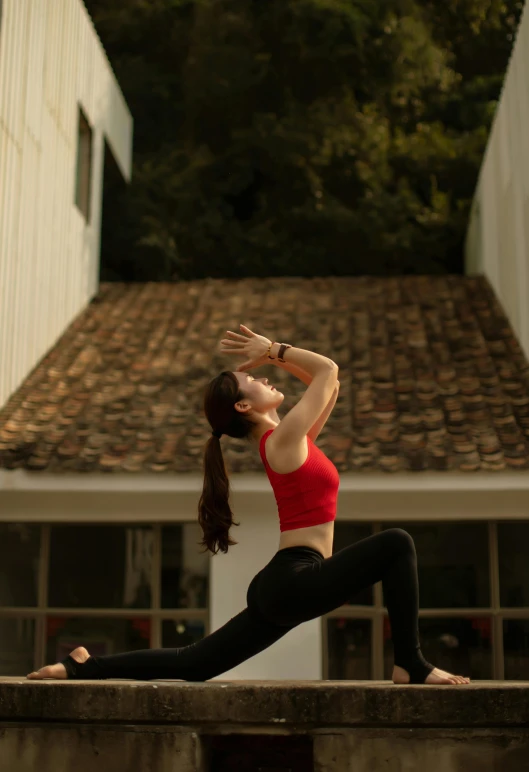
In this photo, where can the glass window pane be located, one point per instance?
(182, 632)
(100, 635)
(346, 534)
(461, 646)
(516, 649)
(512, 555)
(17, 638)
(349, 649)
(453, 564)
(185, 568)
(19, 564)
(100, 566)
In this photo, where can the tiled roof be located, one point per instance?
(431, 376)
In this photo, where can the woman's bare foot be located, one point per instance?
(80, 654)
(401, 676)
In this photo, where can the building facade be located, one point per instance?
(100, 473)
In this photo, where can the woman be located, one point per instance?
(303, 580)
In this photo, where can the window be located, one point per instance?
(474, 597)
(110, 588)
(83, 184)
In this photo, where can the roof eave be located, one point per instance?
(21, 480)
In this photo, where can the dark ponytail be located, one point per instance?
(214, 512)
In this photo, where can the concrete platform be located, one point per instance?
(175, 726)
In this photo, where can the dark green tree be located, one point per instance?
(300, 137)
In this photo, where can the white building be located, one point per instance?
(59, 104)
(101, 442)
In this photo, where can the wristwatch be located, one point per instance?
(282, 348)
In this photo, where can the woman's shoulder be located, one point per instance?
(280, 458)
(275, 439)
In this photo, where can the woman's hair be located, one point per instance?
(214, 513)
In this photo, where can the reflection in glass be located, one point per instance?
(181, 632)
(100, 566)
(185, 568)
(512, 555)
(346, 534)
(99, 635)
(16, 646)
(516, 649)
(349, 646)
(453, 564)
(19, 564)
(461, 646)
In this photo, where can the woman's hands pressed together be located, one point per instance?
(249, 345)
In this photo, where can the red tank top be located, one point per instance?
(307, 496)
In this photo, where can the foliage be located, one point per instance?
(300, 137)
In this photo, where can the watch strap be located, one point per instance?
(281, 353)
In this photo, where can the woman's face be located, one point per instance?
(259, 395)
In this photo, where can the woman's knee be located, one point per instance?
(400, 539)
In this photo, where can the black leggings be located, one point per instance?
(298, 584)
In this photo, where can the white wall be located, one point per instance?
(498, 234)
(50, 60)
(297, 655)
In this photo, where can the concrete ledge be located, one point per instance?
(326, 726)
(267, 703)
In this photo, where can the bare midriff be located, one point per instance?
(318, 537)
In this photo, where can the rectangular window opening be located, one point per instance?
(276, 753)
(83, 183)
